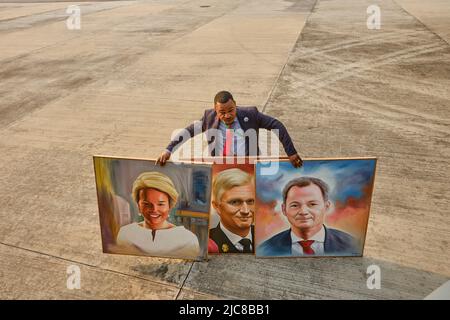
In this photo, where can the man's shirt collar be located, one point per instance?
(318, 237)
(234, 238)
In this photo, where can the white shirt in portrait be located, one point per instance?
(234, 238)
(175, 242)
(317, 246)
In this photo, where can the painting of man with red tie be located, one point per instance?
(314, 219)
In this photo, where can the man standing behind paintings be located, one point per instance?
(233, 131)
(234, 201)
(305, 203)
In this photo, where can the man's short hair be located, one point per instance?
(155, 180)
(304, 182)
(223, 97)
(228, 179)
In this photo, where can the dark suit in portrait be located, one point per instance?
(336, 243)
(220, 243)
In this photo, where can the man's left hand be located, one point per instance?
(296, 161)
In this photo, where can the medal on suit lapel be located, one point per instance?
(225, 247)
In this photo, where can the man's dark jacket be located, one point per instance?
(220, 238)
(249, 118)
(336, 243)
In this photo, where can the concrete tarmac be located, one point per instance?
(137, 70)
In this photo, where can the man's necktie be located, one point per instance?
(306, 245)
(246, 243)
(228, 143)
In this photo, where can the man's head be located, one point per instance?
(305, 203)
(155, 195)
(225, 107)
(234, 200)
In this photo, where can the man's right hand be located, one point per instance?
(163, 158)
(296, 161)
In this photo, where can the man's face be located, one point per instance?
(237, 208)
(305, 207)
(226, 111)
(154, 206)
